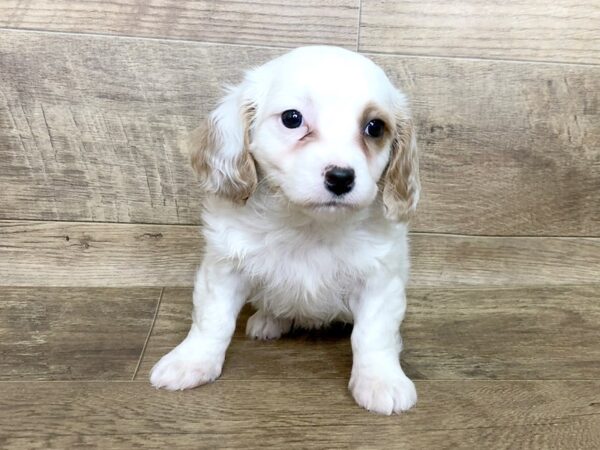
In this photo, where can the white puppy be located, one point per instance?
(310, 166)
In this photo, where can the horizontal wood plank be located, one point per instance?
(90, 126)
(576, 433)
(498, 333)
(564, 30)
(73, 334)
(124, 255)
(315, 354)
(97, 254)
(272, 414)
(526, 333)
(453, 261)
(264, 22)
(507, 148)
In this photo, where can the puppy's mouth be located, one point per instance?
(330, 206)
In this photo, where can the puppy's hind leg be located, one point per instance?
(263, 325)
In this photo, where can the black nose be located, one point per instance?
(339, 180)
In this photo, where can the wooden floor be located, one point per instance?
(494, 368)
(99, 218)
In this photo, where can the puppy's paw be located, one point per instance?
(383, 393)
(178, 371)
(264, 326)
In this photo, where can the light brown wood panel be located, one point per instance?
(97, 254)
(90, 126)
(265, 22)
(453, 261)
(507, 148)
(73, 334)
(314, 354)
(526, 333)
(564, 30)
(320, 413)
(111, 254)
(574, 433)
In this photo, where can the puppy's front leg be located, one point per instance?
(219, 294)
(377, 381)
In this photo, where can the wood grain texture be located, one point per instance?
(507, 148)
(453, 261)
(90, 126)
(125, 255)
(565, 30)
(524, 333)
(501, 332)
(498, 333)
(302, 355)
(73, 334)
(320, 413)
(91, 134)
(264, 22)
(574, 433)
(97, 254)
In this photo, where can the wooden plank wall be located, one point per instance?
(529, 30)
(91, 127)
(279, 23)
(507, 148)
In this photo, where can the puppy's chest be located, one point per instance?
(304, 274)
(309, 263)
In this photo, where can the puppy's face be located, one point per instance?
(326, 127)
(325, 130)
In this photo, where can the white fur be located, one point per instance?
(299, 261)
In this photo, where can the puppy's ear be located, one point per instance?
(401, 184)
(219, 149)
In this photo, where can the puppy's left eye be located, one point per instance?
(375, 128)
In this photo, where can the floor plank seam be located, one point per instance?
(488, 287)
(274, 47)
(148, 38)
(94, 222)
(4, 220)
(319, 379)
(358, 25)
(349, 425)
(505, 236)
(139, 363)
(481, 59)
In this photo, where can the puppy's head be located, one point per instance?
(324, 125)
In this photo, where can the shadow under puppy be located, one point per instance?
(311, 171)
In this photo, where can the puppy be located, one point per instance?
(310, 169)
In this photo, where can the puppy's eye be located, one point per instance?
(291, 118)
(375, 128)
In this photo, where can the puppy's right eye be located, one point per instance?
(291, 118)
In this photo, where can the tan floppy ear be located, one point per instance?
(219, 149)
(401, 184)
